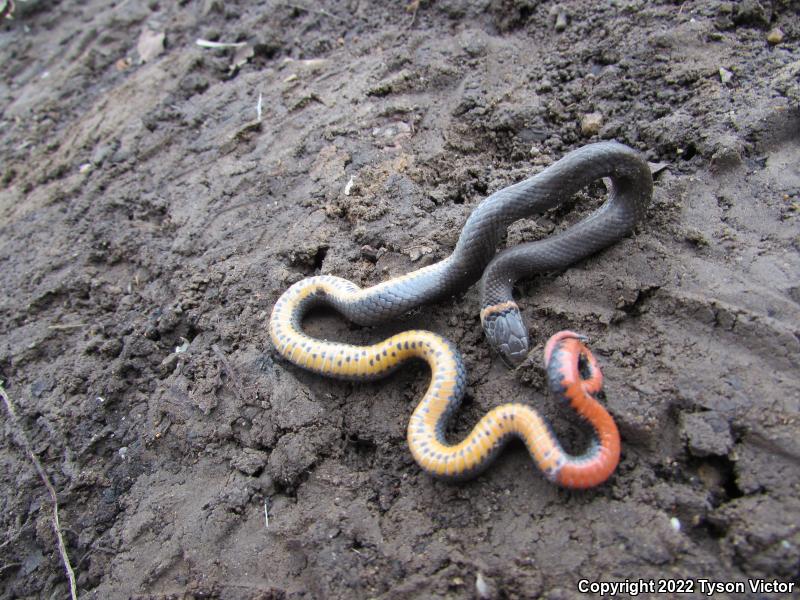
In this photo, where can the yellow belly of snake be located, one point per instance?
(427, 426)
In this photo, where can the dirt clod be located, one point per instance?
(706, 434)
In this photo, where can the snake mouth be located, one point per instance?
(506, 332)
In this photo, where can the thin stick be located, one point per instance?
(209, 44)
(62, 548)
(67, 326)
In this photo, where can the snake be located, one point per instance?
(572, 371)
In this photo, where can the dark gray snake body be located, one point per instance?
(475, 253)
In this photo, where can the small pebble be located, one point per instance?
(675, 523)
(775, 36)
(725, 76)
(590, 124)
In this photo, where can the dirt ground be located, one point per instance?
(149, 221)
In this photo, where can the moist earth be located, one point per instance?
(157, 196)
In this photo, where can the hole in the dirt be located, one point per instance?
(713, 528)
(359, 453)
(319, 257)
(191, 332)
(459, 199)
(717, 474)
(363, 447)
(729, 484)
(688, 152)
(668, 471)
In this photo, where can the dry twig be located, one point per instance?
(66, 326)
(23, 441)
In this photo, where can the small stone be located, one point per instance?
(724, 158)
(775, 36)
(725, 76)
(590, 124)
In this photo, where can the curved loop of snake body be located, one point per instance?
(566, 357)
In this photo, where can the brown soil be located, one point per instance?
(143, 209)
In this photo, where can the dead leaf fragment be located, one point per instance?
(150, 44)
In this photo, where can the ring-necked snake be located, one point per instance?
(572, 370)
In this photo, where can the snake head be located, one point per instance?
(506, 332)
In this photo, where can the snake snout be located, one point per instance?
(507, 334)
